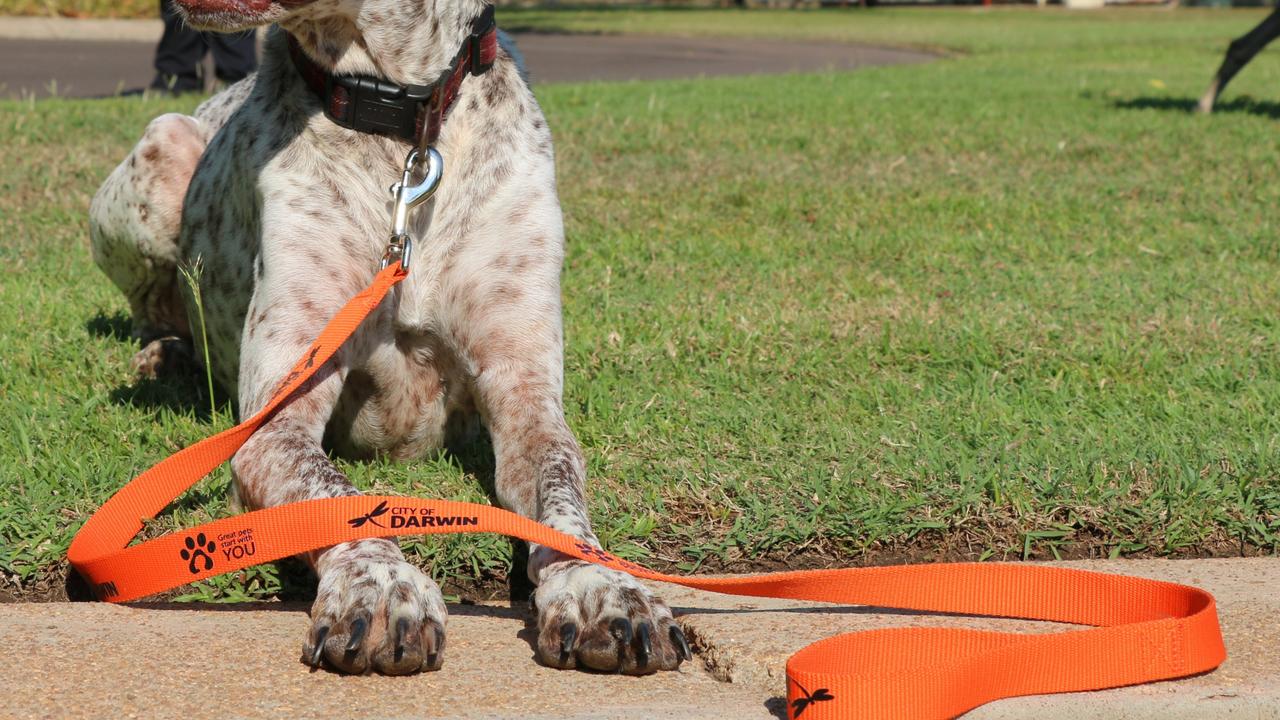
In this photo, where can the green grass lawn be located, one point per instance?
(1018, 303)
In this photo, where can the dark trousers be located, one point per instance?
(181, 52)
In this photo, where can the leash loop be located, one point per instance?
(1142, 630)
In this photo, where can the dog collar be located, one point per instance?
(412, 112)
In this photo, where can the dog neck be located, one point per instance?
(414, 112)
(404, 42)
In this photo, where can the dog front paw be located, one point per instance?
(602, 619)
(375, 612)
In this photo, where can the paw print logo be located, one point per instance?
(199, 548)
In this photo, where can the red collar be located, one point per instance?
(411, 112)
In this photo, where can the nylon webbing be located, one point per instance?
(1143, 630)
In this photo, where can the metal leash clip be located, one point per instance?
(409, 195)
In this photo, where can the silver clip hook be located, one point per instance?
(409, 195)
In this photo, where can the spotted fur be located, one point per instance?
(287, 214)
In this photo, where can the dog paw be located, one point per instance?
(601, 619)
(162, 355)
(374, 612)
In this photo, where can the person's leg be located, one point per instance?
(178, 55)
(235, 55)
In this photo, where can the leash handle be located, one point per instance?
(1143, 630)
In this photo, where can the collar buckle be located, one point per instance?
(410, 112)
(369, 105)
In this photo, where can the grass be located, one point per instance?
(1018, 303)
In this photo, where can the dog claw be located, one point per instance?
(677, 639)
(402, 629)
(359, 627)
(317, 651)
(568, 634)
(620, 629)
(434, 645)
(646, 645)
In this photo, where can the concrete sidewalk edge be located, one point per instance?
(91, 660)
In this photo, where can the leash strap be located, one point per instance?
(1143, 630)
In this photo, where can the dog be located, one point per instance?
(283, 207)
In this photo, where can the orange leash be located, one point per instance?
(1143, 631)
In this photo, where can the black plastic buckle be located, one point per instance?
(369, 105)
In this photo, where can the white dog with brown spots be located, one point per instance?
(278, 188)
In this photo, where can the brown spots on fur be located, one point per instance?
(336, 193)
(518, 214)
(402, 594)
(289, 161)
(496, 93)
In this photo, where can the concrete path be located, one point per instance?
(151, 661)
(95, 58)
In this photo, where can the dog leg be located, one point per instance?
(588, 616)
(1239, 53)
(373, 611)
(133, 228)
